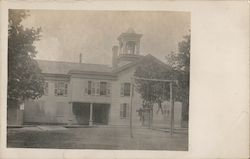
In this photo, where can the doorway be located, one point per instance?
(81, 112)
(101, 113)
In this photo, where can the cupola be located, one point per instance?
(129, 47)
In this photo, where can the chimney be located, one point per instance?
(115, 55)
(80, 58)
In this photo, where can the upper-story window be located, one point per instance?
(61, 88)
(103, 88)
(98, 88)
(125, 89)
(46, 88)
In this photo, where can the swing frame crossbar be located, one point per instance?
(154, 79)
(171, 99)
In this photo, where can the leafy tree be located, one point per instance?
(178, 67)
(24, 75)
(180, 62)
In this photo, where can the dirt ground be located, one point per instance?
(110, 138)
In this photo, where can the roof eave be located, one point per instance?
(71, 72)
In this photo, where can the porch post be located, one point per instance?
(91, 115)
(70, 113)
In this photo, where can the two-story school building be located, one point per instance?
(93, 94)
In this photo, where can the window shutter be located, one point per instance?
(121, 111)
(97, 88)
(124, 110)
(129, 89)
(122, 89)
(85, 88)
(85, 91)
(89, 87)
(92, 88)
(127, 110)
(108, 88)
(66, 89)
(56, 86)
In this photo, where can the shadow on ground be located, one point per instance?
(96, 138)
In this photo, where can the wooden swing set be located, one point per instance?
(171, 98)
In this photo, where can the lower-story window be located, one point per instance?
(124, 110)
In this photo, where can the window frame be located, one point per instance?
(125, 91)
(124, 111)
(62, 87)
(95, 88)
(103, 88)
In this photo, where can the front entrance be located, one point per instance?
(81, 112)
(91, 113)
(100, 113)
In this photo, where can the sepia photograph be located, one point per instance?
(112, 80)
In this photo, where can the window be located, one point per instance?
(98, 88)
(125, 89)
(61, 89)
(103, 88)
(124, 110)
(46, 88)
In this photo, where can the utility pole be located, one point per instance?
(172, 109)
(131, 105)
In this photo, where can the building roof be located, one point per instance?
(58, 67)
(140, 60)
(130, 33)
(64, 68)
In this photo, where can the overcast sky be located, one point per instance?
(66, 34)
